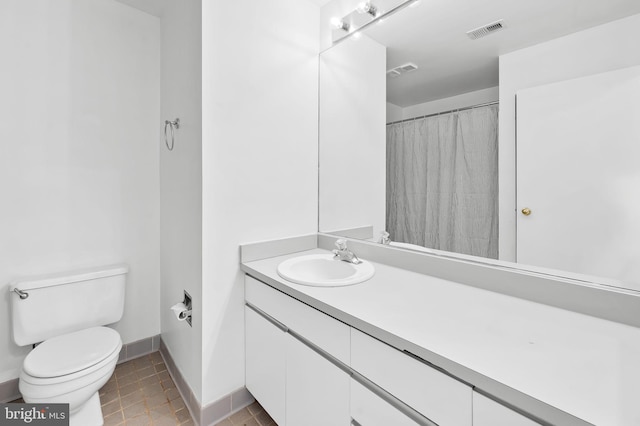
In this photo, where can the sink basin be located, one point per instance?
(322, 270)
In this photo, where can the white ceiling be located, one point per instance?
(433, 36)
(320, 2)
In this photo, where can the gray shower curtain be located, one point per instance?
(442, 181)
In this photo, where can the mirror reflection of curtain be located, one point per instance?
(442, 181)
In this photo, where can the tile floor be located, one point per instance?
(141, 392)
(253, 415)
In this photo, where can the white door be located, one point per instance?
(578, 171)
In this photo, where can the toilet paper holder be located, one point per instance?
(185, 314)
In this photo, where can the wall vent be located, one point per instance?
(402, 69)
(485, 30)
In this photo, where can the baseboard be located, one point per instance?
(9, 390)
(139, 348)
(211, 413)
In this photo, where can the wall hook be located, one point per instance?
(173, 125)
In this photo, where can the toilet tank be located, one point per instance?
(52, 305)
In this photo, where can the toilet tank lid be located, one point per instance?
(49, 280)
(72, 352)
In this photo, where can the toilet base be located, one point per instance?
(89, 414)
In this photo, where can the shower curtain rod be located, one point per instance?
(445, 112)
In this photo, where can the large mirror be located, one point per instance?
(491, 130)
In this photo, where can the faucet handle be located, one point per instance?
(341, 244)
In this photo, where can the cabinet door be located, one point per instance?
(317, 390)
(489, 413)
(368, 409)
(265, 364)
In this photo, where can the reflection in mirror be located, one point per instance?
(418, 134)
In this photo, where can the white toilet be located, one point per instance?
(77, 356)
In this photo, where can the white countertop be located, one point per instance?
(582, 365)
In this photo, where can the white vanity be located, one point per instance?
(409, 348)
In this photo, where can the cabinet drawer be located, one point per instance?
(368, 409)
(434, 394)
(320, 329)
(489, 413)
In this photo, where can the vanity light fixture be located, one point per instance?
(339, 24)
(367, 7)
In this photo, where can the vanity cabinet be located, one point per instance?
(317, 391)
(265, 372)
(288, 370)
(437, 396)
(487, 412)
(307, 368)
(368, 409)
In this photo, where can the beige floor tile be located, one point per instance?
(225, 422)
(177, 404)
(161, 411)
(255, 408)
(135, 410)
(143, 420)
(111, 407)
(110, 396)
(183, 415)
(128, 389)
(166, 421)
(156, 400)
(156, 358)
(160, 367)
(240, 416)
(131, 398)
(264, 418)
(172, 393)
(127, 380)
(145, 372)
(114, 419)
(152, 389)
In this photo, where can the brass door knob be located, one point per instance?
(526, 211)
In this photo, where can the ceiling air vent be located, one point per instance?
(485, 30)
(402, 69)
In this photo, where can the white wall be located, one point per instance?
(79, 151)
(447, 104)
(259, 153)
(181, 184)
(394, 113)
(352, 136)
(604, 48)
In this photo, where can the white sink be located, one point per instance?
(322, 270)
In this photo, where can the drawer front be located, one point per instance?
(329, 334)
(368, 409)
(489, 413)
(440, 398)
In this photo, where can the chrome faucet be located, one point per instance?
(384, 238)
(344, 254)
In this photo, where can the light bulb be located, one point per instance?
(339, 24)
(367, 7)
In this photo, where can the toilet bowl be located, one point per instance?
(71, 369)
(78, 354)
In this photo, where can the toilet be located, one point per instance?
(76, 354)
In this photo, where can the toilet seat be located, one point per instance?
(71, 356)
